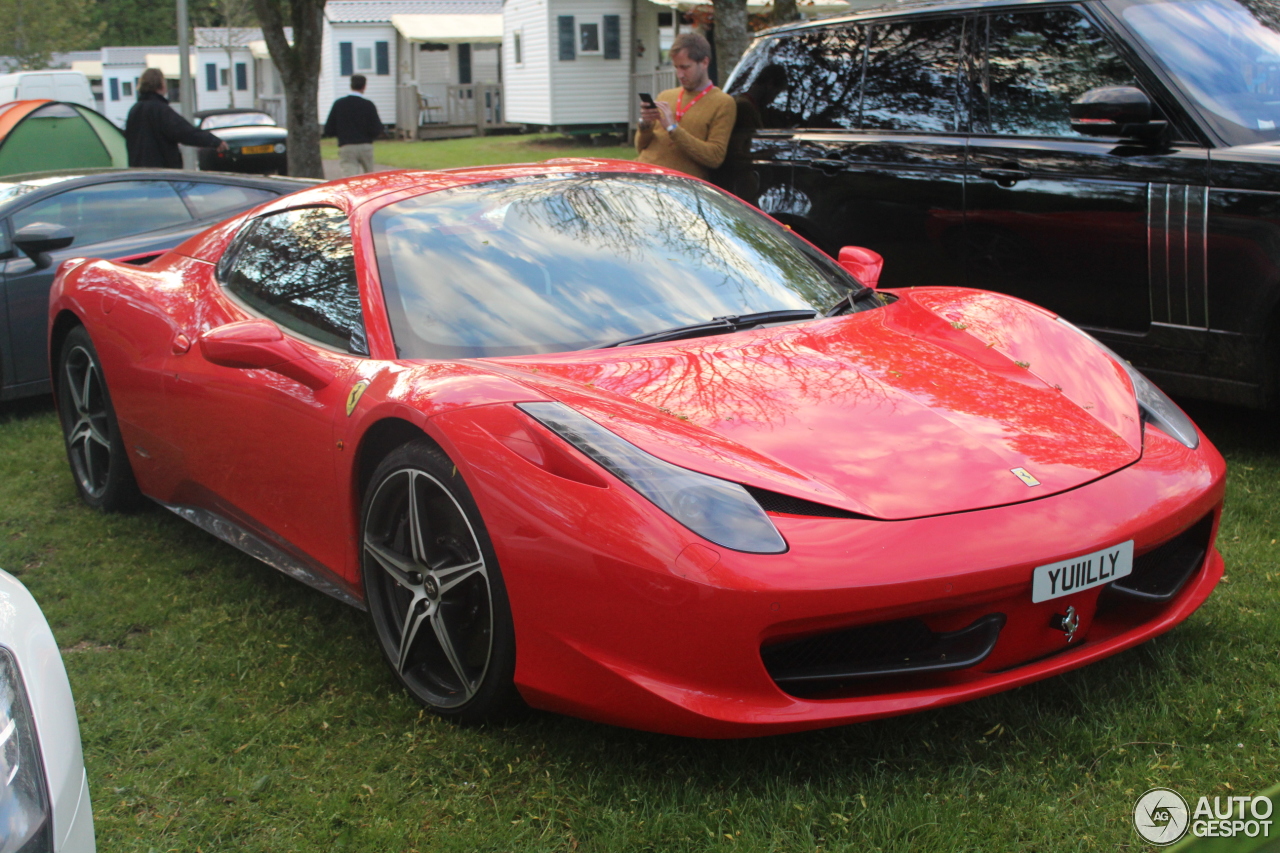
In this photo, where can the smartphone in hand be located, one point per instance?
(646, 99)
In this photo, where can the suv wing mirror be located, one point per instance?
(1123, 111)
(39, 238)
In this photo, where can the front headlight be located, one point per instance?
(1157, 409)
(715, 509)
(24, 803)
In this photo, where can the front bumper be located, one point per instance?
(624, 616)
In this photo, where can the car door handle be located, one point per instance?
(1005, 177)
(829, 165)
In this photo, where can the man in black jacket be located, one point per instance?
(153, 130)
(354, 120)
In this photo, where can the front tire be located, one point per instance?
(99, 463)
(434, 591)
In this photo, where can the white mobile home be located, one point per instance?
(224, 69)
(579, 63)
(425, 48)
(568, 62)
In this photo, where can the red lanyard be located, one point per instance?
(681, 109)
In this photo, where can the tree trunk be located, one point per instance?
(299, 67)
(785, 11)
(732, 36)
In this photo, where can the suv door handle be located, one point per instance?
(1005, 177)
(829, 165)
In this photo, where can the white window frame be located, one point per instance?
(362, 52)
(517, 47)
(581, 23)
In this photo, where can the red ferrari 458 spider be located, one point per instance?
(602, 439)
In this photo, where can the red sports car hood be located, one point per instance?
(935, 404)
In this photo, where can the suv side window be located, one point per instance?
(808, 79)
(911, 75)
(899, 75)
(297, 268)
(1036, 64)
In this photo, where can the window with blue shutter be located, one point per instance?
(565, 29)
(612, 37)
(210, 77)
(383, 58)
(115, 89)
(242, 77)
(346, 60)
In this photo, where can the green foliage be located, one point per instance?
(135, 22)
(226, 707)
(33, 29)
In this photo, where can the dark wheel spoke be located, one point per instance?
(416, 539)
(413, 619)
(446, 645)
(449, 578)
(403, 569)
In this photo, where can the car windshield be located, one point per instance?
(552, 264)
(236, 120)
(1224, 54)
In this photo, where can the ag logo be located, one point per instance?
(353, 397)
(1161, 816)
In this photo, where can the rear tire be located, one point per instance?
(99, 464)
(434, 590)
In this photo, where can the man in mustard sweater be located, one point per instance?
(688, 128)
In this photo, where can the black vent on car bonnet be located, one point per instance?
(1160, 574)
(827, 661)
(787, 505)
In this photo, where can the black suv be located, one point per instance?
(1117, 161)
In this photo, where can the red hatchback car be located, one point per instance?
(601, 439)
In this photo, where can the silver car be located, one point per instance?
(44, 791)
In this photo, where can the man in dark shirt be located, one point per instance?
(354, 120)
(153, 130)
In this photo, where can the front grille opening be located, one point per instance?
(1160, 574)
(787, 505)
(828, 661)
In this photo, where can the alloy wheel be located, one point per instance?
(434, 597)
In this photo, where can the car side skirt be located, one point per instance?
(277, 558)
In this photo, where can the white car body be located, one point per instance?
(25, 639)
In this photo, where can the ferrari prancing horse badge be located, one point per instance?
(353, 396)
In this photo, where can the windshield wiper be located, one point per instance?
(717, 325)
(851, 299)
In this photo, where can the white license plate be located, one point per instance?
(1084, 572)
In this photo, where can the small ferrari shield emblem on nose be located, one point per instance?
(354, 395)
(1021, 473)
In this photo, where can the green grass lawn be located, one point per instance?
(225, 707)
(482, 151)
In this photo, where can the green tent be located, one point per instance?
(39, 135)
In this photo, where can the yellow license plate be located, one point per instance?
(258, 149)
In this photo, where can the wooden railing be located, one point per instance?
(652, 82)
(479, 104)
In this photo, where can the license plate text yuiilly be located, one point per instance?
(1079, 573)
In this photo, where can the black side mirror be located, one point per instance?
(39, 238)
(1123, 111)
